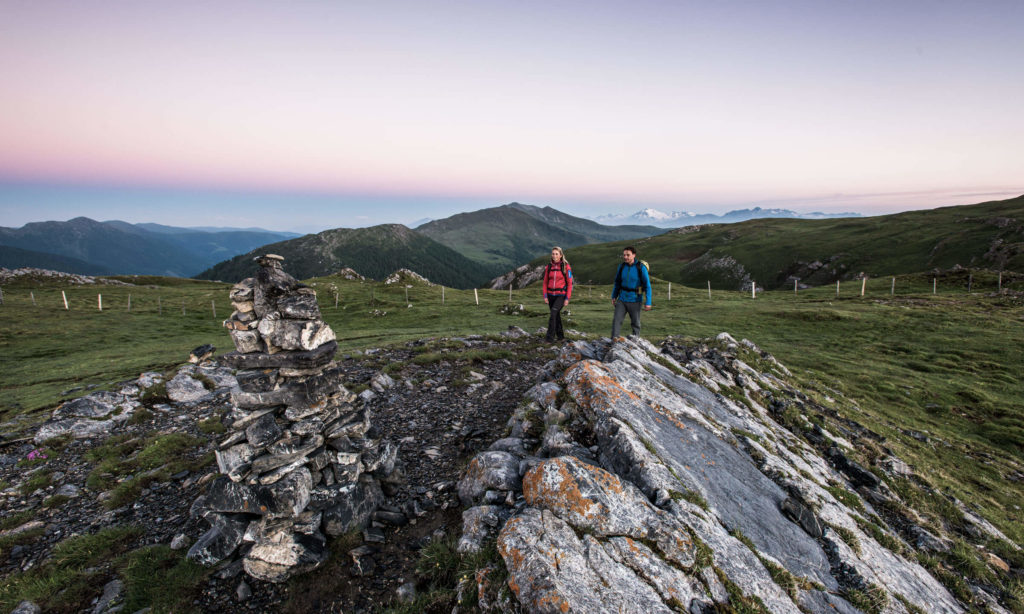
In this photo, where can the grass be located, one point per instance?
(847, 498)
(72, 575)
(40, 479)
(871, 600)
(160, 578)
(125, 465)
(847, 536)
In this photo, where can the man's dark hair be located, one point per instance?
(630, 249)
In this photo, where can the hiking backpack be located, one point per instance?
(547, 271)
(618, 275)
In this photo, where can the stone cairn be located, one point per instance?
(301, 460)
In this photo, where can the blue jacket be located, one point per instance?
(633, 276)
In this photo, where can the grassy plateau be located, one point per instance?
(936, 373)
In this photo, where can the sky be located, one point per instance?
(311, 115)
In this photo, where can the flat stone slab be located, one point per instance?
(296, 360)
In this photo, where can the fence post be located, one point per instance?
(129, 301)
(1000, 285)
(407, 295)
(934, 279)
(670, 291)
(213, 305)
(709, 288)
(1, 296)
(476, 296)
(182, 306)
(794, 286)
(442, 295)
(335, 300)
(32, 295)
(510, 292)
(65, 297)
(837, 288)
(970, 282)
(753, 289)
(99, 301)
(159, 307)
(863, 284)
(892, 291)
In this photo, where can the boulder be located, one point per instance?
(493, 469)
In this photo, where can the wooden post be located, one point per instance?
(970, 282)
(753, 289)
(99, 301)
(335, 300)
(794, 286)
(65, 296)
(442, 295)
(159, 306)
(670, 291)
(213, 305)
(129, 301)
(182, 306)
(934, 279)
(1000, 284)
(837, 288)
(32, 295)
(509, 291)
(476, 296)
(892, 291)
(1, 296)
(863, 284)
(709, 288)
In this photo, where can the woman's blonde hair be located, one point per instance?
(560, 251)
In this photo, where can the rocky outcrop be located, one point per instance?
(300, 459)
(668, 480)
(518, 278)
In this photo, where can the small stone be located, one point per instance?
(243, 591)
(111, 593)
(180, 541)
(406, 593)
(67, 490)
(996, 562)
(374, 535)
(201, 353)
(395, 519)
(26, 607)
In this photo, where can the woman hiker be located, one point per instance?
(557, 291)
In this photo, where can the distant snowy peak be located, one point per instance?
(655, 217)
(648, 217)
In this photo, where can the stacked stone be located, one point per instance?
(301, 461)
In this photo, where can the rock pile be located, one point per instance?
(300, 459)
(666, 480)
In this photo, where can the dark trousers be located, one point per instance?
(621, 309)
(555, 303)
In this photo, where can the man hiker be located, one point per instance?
(557, 291)
(630, 280)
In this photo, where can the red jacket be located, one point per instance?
(557, 283)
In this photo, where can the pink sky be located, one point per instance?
(690, 105)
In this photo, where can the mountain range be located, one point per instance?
(83, 245)
(462, 251)
(775, 252)
(676, 219)
(504, 237)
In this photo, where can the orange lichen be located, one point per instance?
(554, 485)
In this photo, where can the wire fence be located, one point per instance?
(214, 303)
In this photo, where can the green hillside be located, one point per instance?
(16, 257)
(773, 252)
(374, 252)
(504, 237)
